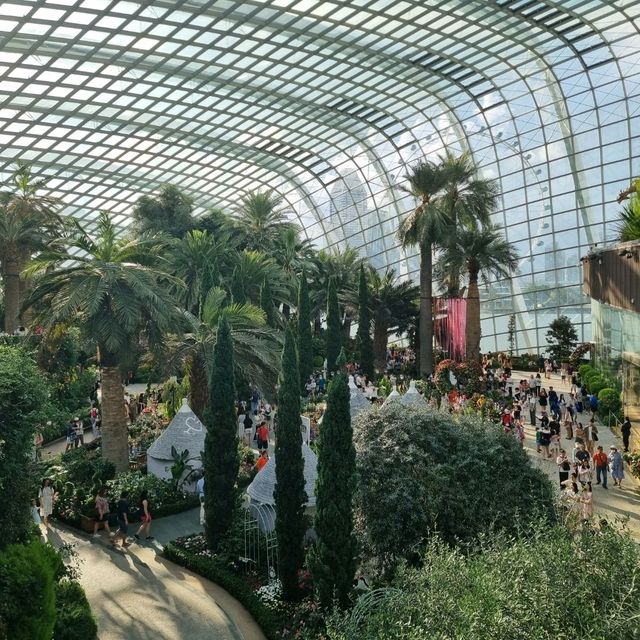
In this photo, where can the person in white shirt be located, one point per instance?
(200, 492)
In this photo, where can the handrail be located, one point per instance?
(613, 415)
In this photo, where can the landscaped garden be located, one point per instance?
(421, 521)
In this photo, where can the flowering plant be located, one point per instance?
(633, 460)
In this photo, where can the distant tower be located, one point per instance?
(348, 210)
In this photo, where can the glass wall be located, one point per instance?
(615, 332)
(330, 104)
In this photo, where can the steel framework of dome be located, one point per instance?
(328, 103)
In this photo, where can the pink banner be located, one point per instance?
(450, 326)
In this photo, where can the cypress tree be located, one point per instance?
(266, 304)
(364, 343)
(332, 559)
(237, 288)
(305, 342)
(333, 328)
(289, 494)
(221, 460)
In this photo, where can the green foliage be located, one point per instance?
(238, 293)
(221, 460)
(589, 582)
(289, 494)
(172, 395)
(364, 343)
(215, 570)
(629, 226)
(27, 591)
(74, 620)
(511, 330)
(332, 560)
(305, 342)
(333, 334)
(609, 402)
(420, 472)
(23, 397)
(596, 383)
(584, 369)
(266, 304)
(562, 338)
(168, 211)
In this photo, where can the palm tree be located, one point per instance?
(629, 225)
(261, 219)
(256, 346)
(168, 211)
(477, 253)
(28, 221)
(393, 306)
(116, 291)
(199, 259)
(451, 197)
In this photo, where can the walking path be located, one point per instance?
(612, 503)
(138, 595)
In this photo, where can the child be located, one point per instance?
(34, 513)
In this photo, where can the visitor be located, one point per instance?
(38, 440)
(70, 436)
(262, 436)
(586, 501)
(617, 466)
(541, 363)
(601, 463)
(35, 514)
(46, 496)
(591, 435)
(79, 432)
(580, 436)
(263, 458)
(542, 398)
(545, 441)
(568, 429)
(580, 453)
(554, 445)
(518, 432)
(247, 425)
(122, 517)
(564, 466)
(200, 492)
(533, 404)
(585, 473)
(626, 433)
(94, 416)
(144, 512)
(102, 512)
(255, 400)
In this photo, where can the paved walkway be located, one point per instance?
(138, 595)
(610, 503)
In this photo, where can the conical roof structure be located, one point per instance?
(358, 401)
(394, 396)
(185, 431)
(263, 485)
(412, 397)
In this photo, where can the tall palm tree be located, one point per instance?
(394, 308)
(256, 346)
(451, 197)
(261, 219)
(477, 253)
(116, 291)
(199, 259)
(28, 222)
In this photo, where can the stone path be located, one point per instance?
(138, 595)
(610, 503)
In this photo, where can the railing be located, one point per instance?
(617, 423)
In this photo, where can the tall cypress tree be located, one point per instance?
(333, 328)
(332, 559)
(364, 343)
(237, 288)
(305, 342)
(289, 494)
(221, 460)
(266, 304)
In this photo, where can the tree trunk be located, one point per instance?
(115, 441)
(198, 384)
(11, 277)
(26, 319)
(473, 319)
(380, 337)
(426, 310)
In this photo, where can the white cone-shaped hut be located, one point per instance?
(412, 397)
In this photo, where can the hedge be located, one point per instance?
(74, 619)
(213, 569)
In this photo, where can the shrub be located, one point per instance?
(74, 620)
(597, 383)
(589, 582)
(23, 396)
(27, 597)
(420, 471)
(584, 369)
(608, 401)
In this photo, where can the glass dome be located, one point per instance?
(328, 103)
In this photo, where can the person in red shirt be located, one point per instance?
(262, 436)
(262, 460)
(601, 463)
